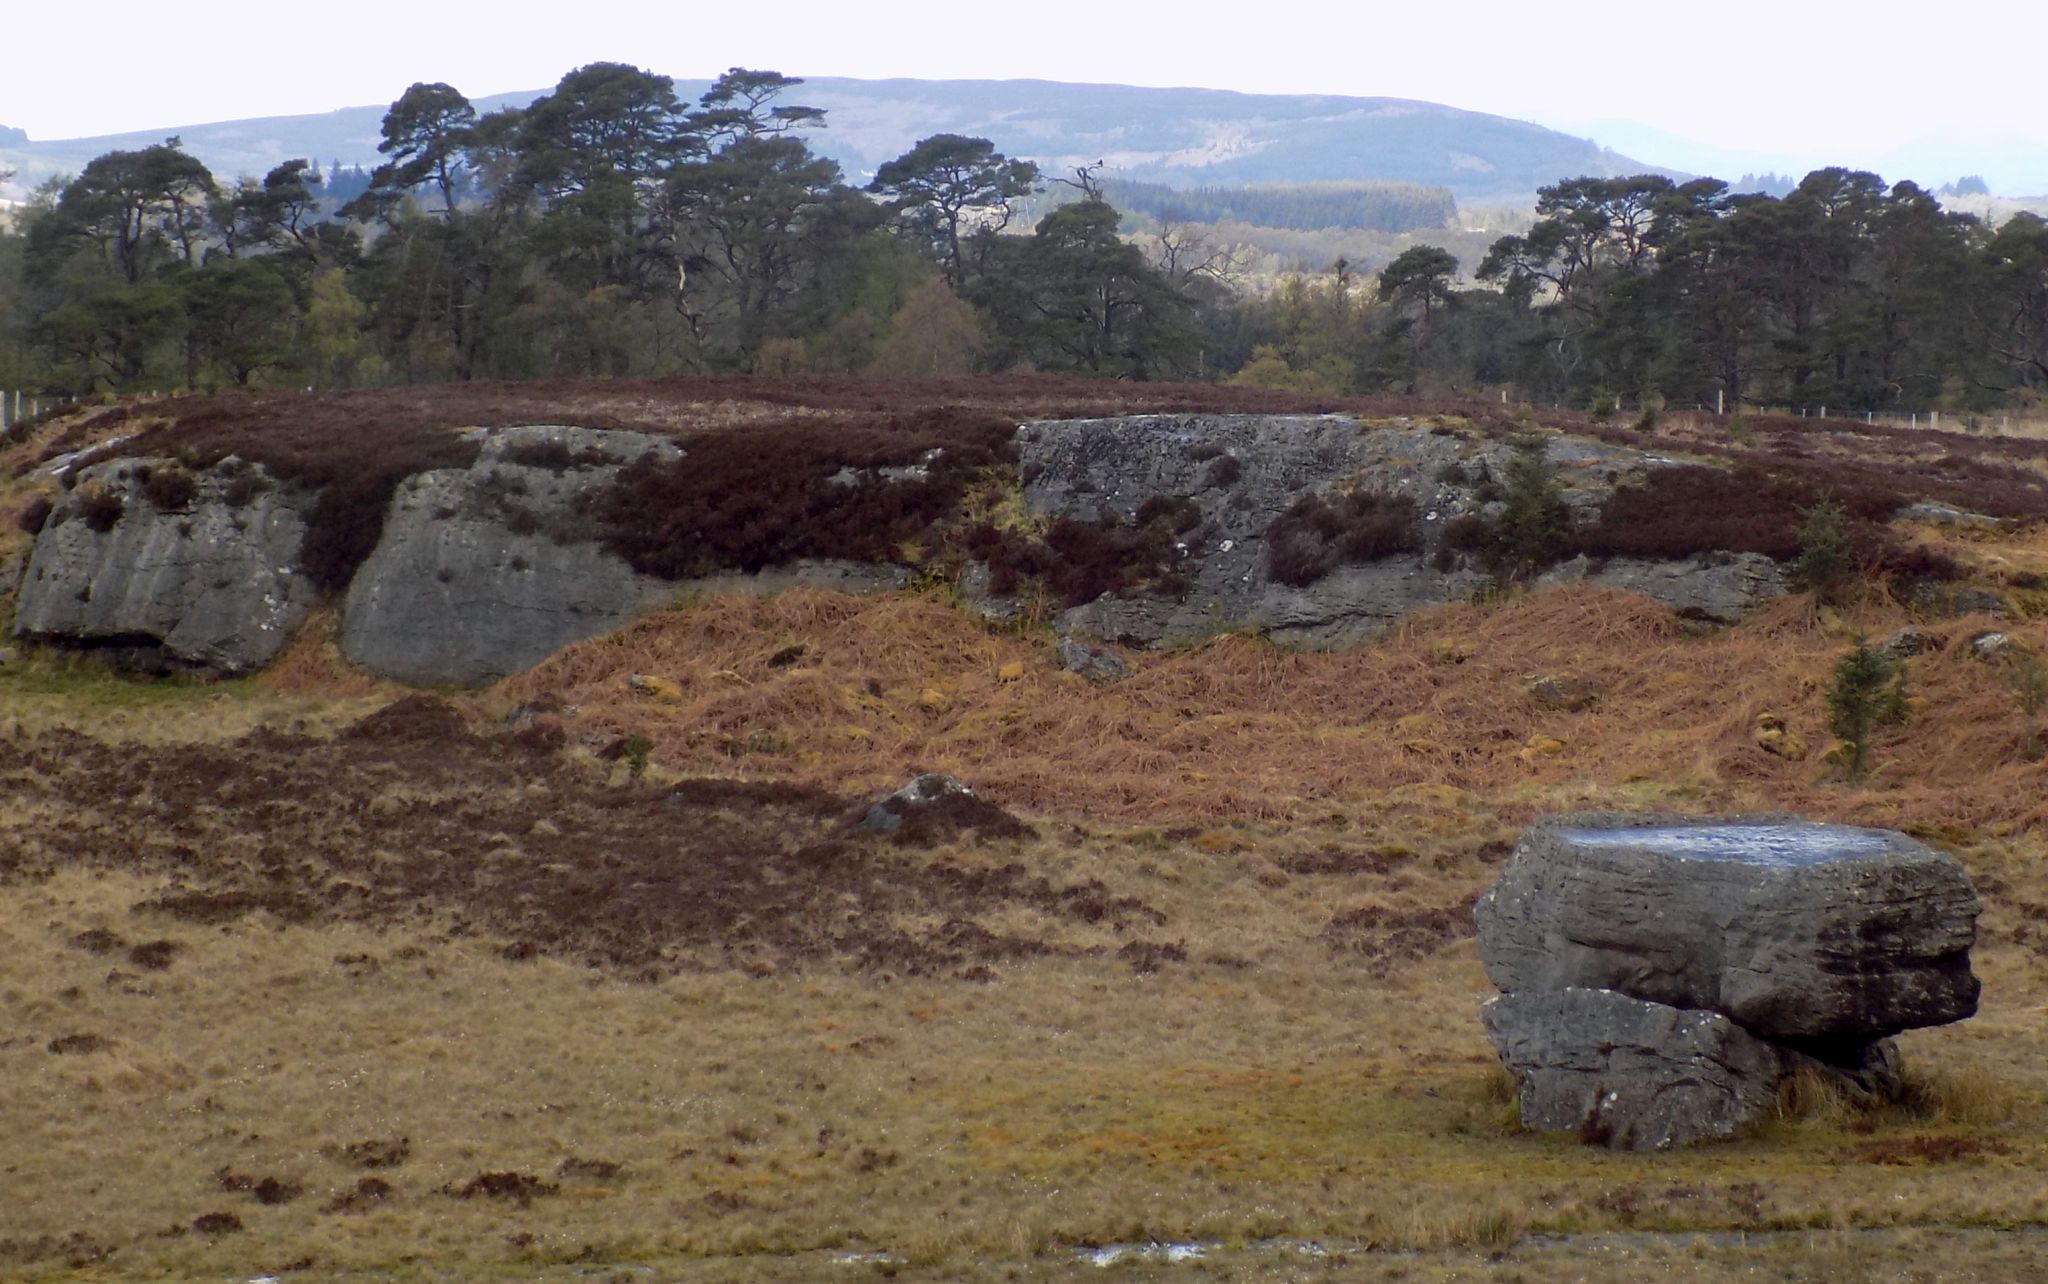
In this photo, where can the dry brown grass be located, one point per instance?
(1292, 1054)
(1239, 730)
(1302, 1063)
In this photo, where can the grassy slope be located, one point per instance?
(1308, 827)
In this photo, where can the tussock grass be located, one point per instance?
(1241, 730)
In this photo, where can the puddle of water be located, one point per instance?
(1111, 1254)
(1776, 844)
(1195, 1251)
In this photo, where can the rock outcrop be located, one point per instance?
(1244, 471)
(195, 571)
(488, 570)
(1662, 976)
(484, 570)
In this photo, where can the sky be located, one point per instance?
(1798, 78)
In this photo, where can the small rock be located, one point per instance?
(928, 790)
(1629, 1074)
(1774, 737)
(1564, 692)
(659, 688)
(1976, 601)
(1906, 643)
(1092, 663)
(1943, 515)
(1995, 646)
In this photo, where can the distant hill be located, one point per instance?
(1181, 137)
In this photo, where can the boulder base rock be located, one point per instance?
(1632, 1075)
(1824, 936)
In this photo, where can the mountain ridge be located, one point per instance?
(1173, 135)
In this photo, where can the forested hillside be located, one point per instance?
(1184, 137)
(614, 227)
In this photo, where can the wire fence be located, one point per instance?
(1994, 423)
(17, 405)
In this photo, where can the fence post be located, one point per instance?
(1934, 419)
(1720, 401)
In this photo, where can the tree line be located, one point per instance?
(1845, 293)
(610, 228)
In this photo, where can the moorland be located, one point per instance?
(575, 976)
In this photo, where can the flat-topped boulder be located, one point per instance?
(1798, 932)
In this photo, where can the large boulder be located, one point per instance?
(1825, 936)
(487, 570)
(1632, 1075)
(166, 569)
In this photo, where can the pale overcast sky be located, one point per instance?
(1839, 79)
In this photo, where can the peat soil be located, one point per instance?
(411, 818)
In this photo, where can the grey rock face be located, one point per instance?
(1244, 471)
(210, 584)
(1722, 587)
(488, 570)
(1824, 935)
(1632, 1075)
(484, 571)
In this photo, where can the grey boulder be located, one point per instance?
(926, 791)
(1092, 662)
(1634, 1075)
(211, 582)
(487, 570)
(1825, 936)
